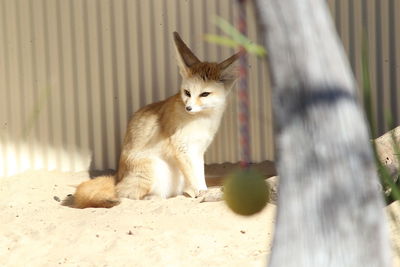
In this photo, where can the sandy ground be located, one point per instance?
(35, 230)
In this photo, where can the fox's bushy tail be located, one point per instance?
(96, 193)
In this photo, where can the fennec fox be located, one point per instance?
(164, 145)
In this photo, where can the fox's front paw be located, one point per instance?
(191, 192)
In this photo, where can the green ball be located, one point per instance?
(245, 192)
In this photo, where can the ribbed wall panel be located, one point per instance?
(72, 73)
(378, 22)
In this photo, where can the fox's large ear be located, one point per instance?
(184, 55)
(229, 75)
(227, 62)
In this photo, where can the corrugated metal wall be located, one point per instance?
(378, 22)
(72, 72)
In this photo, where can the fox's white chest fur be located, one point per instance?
(199, 133)
(194, 138)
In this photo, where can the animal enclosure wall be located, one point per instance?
(72, 72)
(377, 24)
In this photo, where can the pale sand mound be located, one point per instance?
(35, 230)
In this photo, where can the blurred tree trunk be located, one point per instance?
(329, 211)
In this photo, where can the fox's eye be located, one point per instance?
(204, 94)
(187, 93)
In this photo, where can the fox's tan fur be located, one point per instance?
(165, 142)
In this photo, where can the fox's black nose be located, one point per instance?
(188, 108)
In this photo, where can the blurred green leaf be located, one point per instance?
(229, 29)
(237, 39)
(220, 40)
(256, 49)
